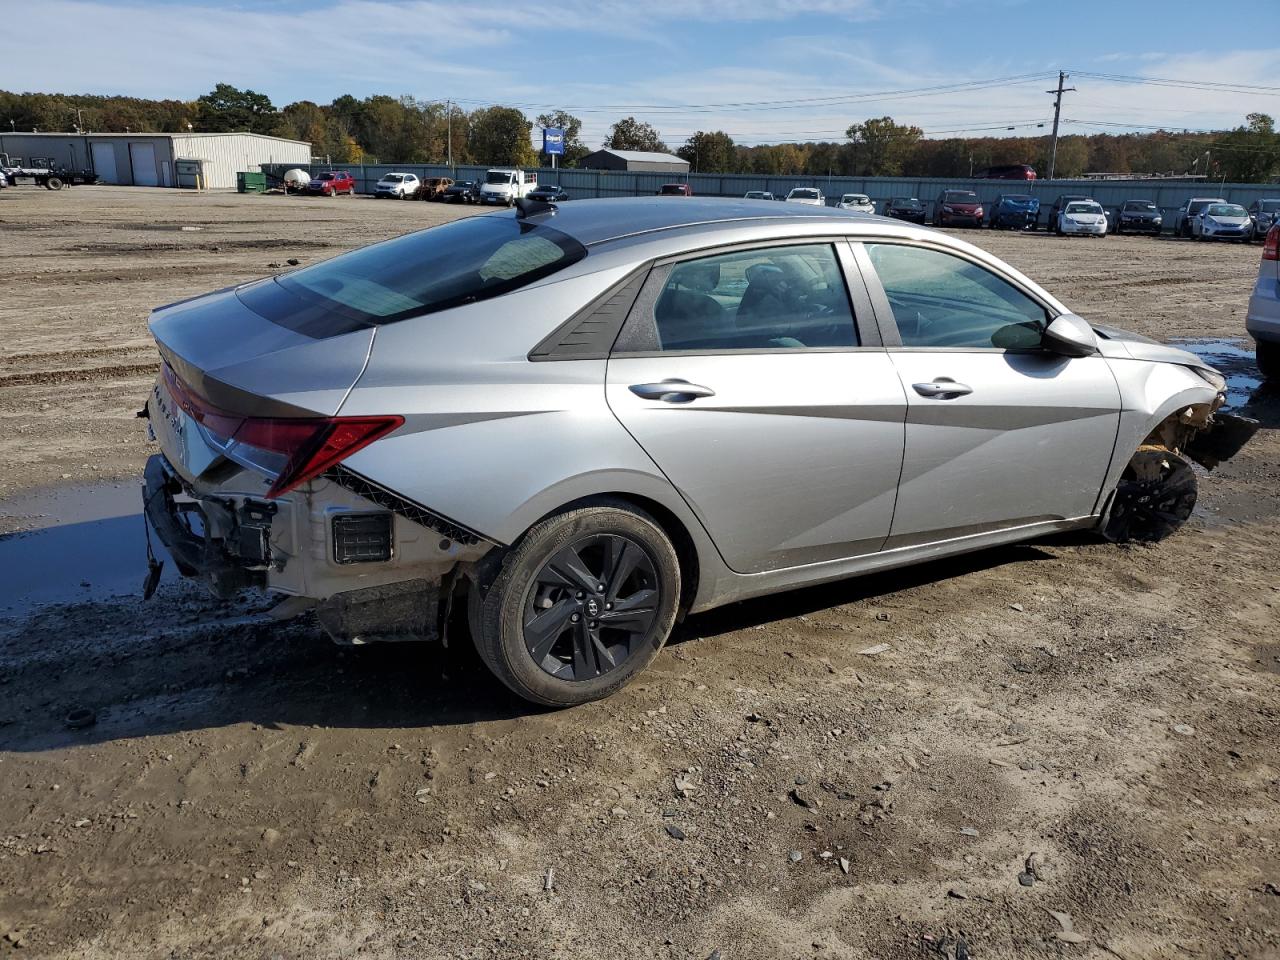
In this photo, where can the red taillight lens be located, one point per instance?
(308, 445)
(1271, 247)
(312, 445)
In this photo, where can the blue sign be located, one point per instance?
(553, 141)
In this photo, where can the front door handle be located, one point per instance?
(942, 388)
(673, 390)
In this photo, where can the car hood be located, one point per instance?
(1144, 348)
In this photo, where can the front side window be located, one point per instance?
(941, 300)
(777, 298)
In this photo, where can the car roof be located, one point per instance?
(593, 222)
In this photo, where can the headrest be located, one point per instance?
(699, 277)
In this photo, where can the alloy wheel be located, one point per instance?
(590, 607)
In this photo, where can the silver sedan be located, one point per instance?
(582, 423)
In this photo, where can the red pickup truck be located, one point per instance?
(332, 184)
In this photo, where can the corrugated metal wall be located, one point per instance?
(582, 184)
(232, 153)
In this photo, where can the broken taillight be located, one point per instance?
(293, 450)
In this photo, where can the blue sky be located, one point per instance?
(682, 65)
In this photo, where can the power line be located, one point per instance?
(1245, 88)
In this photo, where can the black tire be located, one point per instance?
(1154, 498)
(1267, 353)
(53, 183)
(582, 542)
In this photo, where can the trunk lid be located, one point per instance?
(244, 363)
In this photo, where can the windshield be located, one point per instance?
(800, 193)
(497, 176)
(446, 266)
(393, 177)
(673, 188)
(1083, 208)
(1270, 206)
(909, 204)
(1141, 205)
(326, 176)
(856, 198)
(959, 196)
(1016, 198)
(1226, 210)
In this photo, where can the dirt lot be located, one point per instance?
(1067, 726)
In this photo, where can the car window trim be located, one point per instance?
(880, 299)
(640, 329)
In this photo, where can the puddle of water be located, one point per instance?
(73, 543)
(1233, 358)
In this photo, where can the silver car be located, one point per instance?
(1263, 317)
(585, 422)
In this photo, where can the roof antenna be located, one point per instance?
(526, 208)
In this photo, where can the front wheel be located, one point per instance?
(579, 606)
(1268, 356)
(1154, 498)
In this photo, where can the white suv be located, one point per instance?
(401, 186)
(1263, 319)
(810, 195)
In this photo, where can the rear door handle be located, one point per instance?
(672, 390)
(942, 388)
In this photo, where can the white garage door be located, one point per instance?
(143, 156)
(104, 162)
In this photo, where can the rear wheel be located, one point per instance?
(580, 605)
(1155, 497)
(1268, 355)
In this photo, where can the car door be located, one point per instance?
(1000, 432)
(756, 381)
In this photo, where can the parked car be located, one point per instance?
(1013, 211)
(1082, 218)
(462, 191)
(807, 195)
(433, 188)
(675, 190)
(1008, 171)
(1138, 216)
(4, 180)
(576, 476)
(1223, 221)
(1265, 213)
(1189, 211)
(506, 186)
(758, 195)
(857, 202)
(333, 183)
(399, 186)
(905, 208)
(1263, 317)
(549, 192)
(958, 208)
(1059, 205)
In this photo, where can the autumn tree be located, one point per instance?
(709, 152)
(230, 109)
(500, 135)
(881, 147)
(632, 134)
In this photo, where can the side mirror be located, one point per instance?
(1070, 336)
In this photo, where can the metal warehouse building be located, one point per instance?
(157, 159)
(634, 161)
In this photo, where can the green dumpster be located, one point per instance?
(249, 182)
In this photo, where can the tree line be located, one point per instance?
(384, 129)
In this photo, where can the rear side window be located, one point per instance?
(940, 300)
(447, 266)
(775, 298)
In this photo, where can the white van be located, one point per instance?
(506, 186)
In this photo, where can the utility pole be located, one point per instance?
(448, 112)
(1057, 111)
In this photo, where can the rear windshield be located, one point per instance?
(447, 266)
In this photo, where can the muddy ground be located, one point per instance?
(1065, 726)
